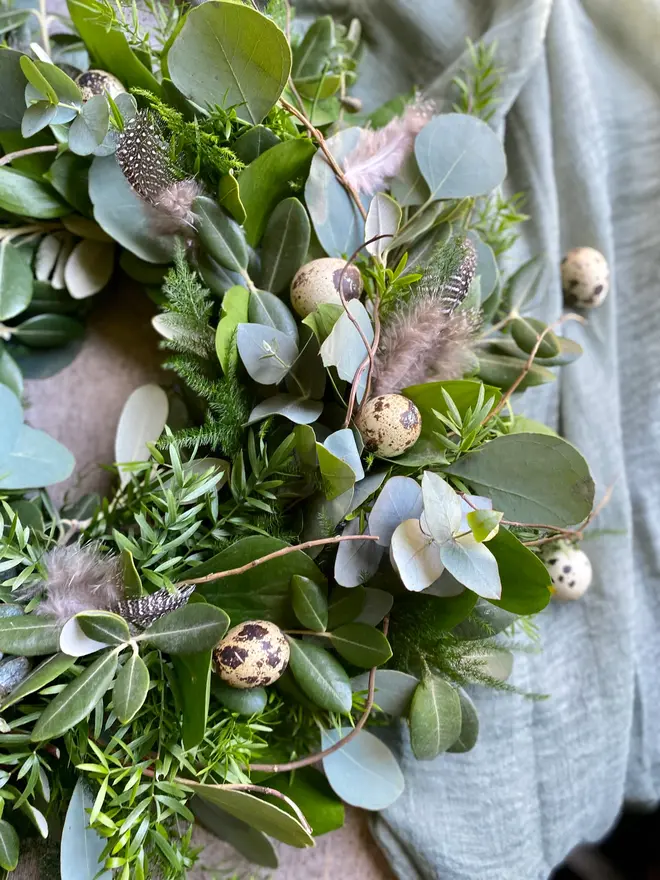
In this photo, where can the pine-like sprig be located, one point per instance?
(479, 83)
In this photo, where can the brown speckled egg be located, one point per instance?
(389, 424)
(585, 277)
(252, 654)
(318, 282)
(570, 570)
(98, 82)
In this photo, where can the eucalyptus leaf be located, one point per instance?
(268, 309)
(459, 156)
(37, 460)
(337, 476)
(383, 219)
(364, 772)
(89, 268)
(254, 142)
(467, 738)
(361, 644)
(487, 268)
(527, 332)
(473, 565)
(435, 718)
(141, 421)
(284, 245)
(416, 556)
(90, 127)
(213, 55)
(344, 347)
(307, 376)
(342, 444)
(69, 176)
(267, 353)
(400, 499)
(503, 371)
(195, 627)
(336, 220)
(442, 508)
(394, 690)
(131, 688)
(77, 700)
(513, 472)
(37, 117)
(82, 847)
(11, 422)
(221, 236)
(15, 280)
(309, 603)
(356, 561)
(525, 579)
(366, 487)
(321, 677)
(296, 409)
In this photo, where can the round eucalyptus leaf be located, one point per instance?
(89, 268)
(15, 280)
(400, 499)
(320, 676)
(467, 738)
(37, 460)
(415, 556)
(356, 561)
(37, 117)
(435, 718)
(459, 156)
(364, 772)
(267, 353)
(337, 477)
(90, 127)
(48, 331)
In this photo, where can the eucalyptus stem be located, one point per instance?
(28, 151)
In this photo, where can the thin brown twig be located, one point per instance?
(319, 756)
(528, 364)
(306, 545)
(18, 154)
(323, 146)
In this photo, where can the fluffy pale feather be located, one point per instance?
(423, 343)
(380, 153)
(80, 578)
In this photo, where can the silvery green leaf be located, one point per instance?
(394, 690)
(487, 269)
(399, 500)
(442, 508)
(473, 565)
(383, 219)
(89, 268)
(37, 460)
(365, 488)
(498, 664)
(377, 604)
(267, 353)
(221, 236)
(15, 280)
(435, 718)
(459, 156)
(416, 556)
(342, 444)
(364, 772)
(141, 421)
(445, 586)
(344, 347)
(81, 846)
(10, 423)
(356, 561)
(297, 410)
(266, 308)
(467, 739)
(89, 129)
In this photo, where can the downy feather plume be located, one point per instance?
(142, 157)
(427, 339)
(380, 153)
(80, 578)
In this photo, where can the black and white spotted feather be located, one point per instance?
(143, 159)
(457, 286)
(144, 611)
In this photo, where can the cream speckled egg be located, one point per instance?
(318, 282)
(389, 424)
(585, 277)
(252, 654)
(97, 82)
(570, 570)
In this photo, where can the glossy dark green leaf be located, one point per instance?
(321, 677)
(254, 142)
(262, 592)
(194, 675)
(195, 627)
(104, 626)
(309, 603)
(284, 245)
(265, 182)
(361, 644)
(9, 846)
(435, 718)
(131, 688)
(221, 236)
(39, 678)
(48, 331)
(77, 700)
(525, 579)
(15, 280)
(467, 738)
(345, 605)
(20, 194)
(526, 332)
(253, 845)
(244, 701)
(256, 813)
(12, 77)
(29, 635)
(212, 59)
(310, 791)
(532, 478)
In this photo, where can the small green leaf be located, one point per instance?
(9, 846)
(104, 626)
(320, 676)
(29, 635)
(131, 688)
(38, 80)
(484, 524)
(77, 700)
(309, 603)
(435, 718)
(15, 280)
(234, 312)
(191, 629)
(311, 55)
(284, 245)
(221, 236)
(526, 332)
(229, 197)
(132, 580)
(194, 675)
(361, 644)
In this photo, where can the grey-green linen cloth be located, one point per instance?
(580, 116)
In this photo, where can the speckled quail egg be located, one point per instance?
(252, 654)
(570, 570)
(585, 277)
(318, 282)
(98, 82)
(389, 424)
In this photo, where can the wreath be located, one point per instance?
(332, 519)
